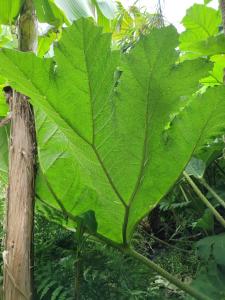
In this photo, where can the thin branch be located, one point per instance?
(167, 244)
(184, 193)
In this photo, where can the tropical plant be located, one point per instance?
(114, 130)
(83, 137)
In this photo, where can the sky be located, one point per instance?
(173, 10)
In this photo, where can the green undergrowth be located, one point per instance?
(106, 273)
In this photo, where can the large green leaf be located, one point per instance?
(102, 144)
(10, 10)
(57, 12)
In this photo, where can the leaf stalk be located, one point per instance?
(186, 288)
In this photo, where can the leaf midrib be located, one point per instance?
(93, 133)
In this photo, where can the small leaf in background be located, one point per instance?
(218, 69)
(206, 222)
(212, 246)
(200, 22)
(201, 35)
(46, 40)
(212, 151)
(196, 167)
(7, 38)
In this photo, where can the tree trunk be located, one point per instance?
(18, 262)
(222, 7)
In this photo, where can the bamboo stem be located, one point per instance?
(219, 218)
(213, 193)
